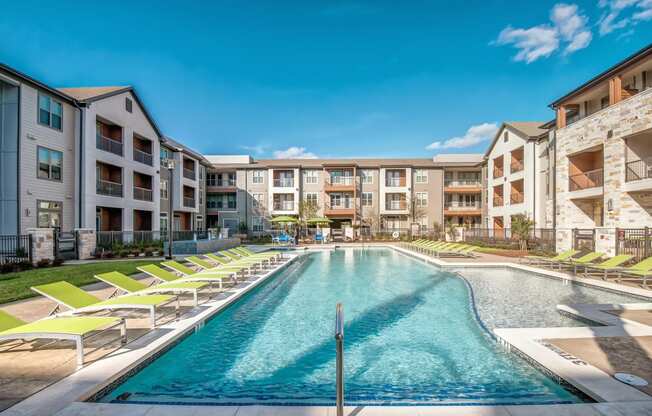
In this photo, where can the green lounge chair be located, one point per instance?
(79, 301)
(641, 270)
(237, 258)
(71, 328)
(463, 251)
(134, 287)
(574, 262)
(565, 255)
(277, 255)
(244, 255)
(606, 266)
(169, 277)
(186, 271)
(228, 262)
(213, 265)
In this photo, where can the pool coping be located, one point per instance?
(67, 396)
(530, 342)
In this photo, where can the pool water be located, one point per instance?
(411, 337)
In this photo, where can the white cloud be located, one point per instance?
(258, 149)
(568, 28)
(623, 13)
(294, 152)
(474, 135)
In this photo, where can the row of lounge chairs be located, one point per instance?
(595, 264)
(175, 279)
(441, 248)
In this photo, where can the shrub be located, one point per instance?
(123, 253)
(43, 263)
(108, 254)
(149, 251)
(57, 262)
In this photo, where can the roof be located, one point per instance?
(629, 61)
(170, 142)
(86, 95)
(462, 160)
(35, 83)
(529, 130)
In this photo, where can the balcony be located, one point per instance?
(143, 194)
(498, 201)
(585, 180)
(394, 205)
(143, 157)
(339, 183)
(498, 167)
(473, 186)
(188, 202)
(283, 206)
(344, 207)
(189, 174)
(283, 182)
(516, 161)
(516, 195)
(462, 208)
(515, 198)
(108, 144)
(104, 187)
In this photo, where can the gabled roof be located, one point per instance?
(452, 159)
(87, 95)
(528, 130)
(35, 83)
(614, 70)
(170, 142)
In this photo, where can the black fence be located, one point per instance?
(584, 239)
(634, 241)
(110, 239)
(542, 239)
(15, 248)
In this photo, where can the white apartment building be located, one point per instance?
(517, 166)
(117, 164)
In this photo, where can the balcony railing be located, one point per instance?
(461, 206)
(637, 170)
(283, 205)
(498, 173)
(108, 188)
(395, 205)
(498, 201)
(585, 180)
(463, 182)
(343, 204)
(284, 183)
(229, 183)
(188, 202)
(142, 194)
(143, 157)
(341, 180)
(109, 145)
(516, 199)
(189, 174)
(394, 182)
(516, 166)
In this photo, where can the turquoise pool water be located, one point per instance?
(411, 337)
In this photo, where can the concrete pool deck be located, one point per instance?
(65, 398)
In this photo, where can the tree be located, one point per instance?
(436, 228)
(521, 229)
(415, 211)
(451, 229)
(307, 209)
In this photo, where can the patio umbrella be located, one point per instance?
(284, 219)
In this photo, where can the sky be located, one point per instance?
(278, 79)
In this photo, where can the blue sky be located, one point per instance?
(332, 79)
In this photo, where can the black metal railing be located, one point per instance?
(143, 157)
(109, 145)
(188, 202)
(15, 248)
(189, 174)
(586, 180)
(637, 170)
(142, 194)
(109, 239)
(108, 188)
(634, 241)
(537, 239)
(584, 239)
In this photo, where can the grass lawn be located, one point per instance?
(15, 286)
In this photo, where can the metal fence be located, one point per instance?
(584, 239)
(634, 241)
(15, 248)
(538, 238)
(109, 239)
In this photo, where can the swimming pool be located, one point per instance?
(411, 337)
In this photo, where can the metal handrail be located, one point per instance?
(339, 342)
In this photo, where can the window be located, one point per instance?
(257, 200)
(200, 222)
(230, 201)
(128, 105)
(48, 214)
(367, 176)
(257, 224)
(367, 199)
(163, 221)
(50, 112)
(421, 176)
(49, 164)
(422, 199)
(505, 136)
(211, 179)
(311, 197)
(164, 189)
(310, 176)
(257, 176)
(165, 154)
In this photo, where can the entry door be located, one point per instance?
(176, 224)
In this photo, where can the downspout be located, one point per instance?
(81, 165)
(554, 179)
(534, 184)
(246, 196)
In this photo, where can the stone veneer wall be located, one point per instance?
(86, 242)
(42, 244)
(608, 127)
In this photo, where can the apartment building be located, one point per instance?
(369, 193)
(462, 189)
(38, 131)
(603, 151)
(517, 179)
(182, 189)
(117, 167)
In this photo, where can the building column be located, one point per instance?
(86, 243)
(615, 90)
(42, 244)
